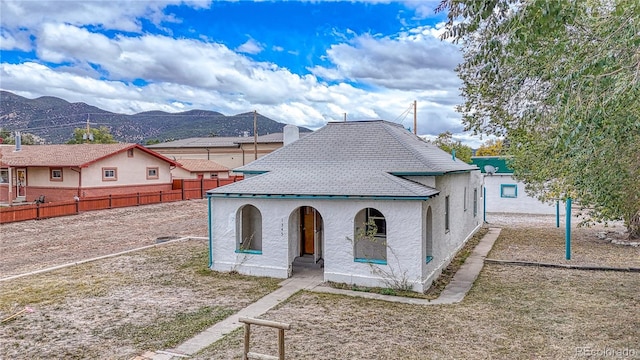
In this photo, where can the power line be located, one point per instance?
(403, 115)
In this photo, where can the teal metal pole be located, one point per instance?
(484, 204)
(568, 231)
(210, 233)
(557, 213)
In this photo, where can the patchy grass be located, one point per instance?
(548, 245)
(168, 333)
(511, 312)
(437, 286)
(120, 307)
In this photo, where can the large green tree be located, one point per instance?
(7, 137)
(100, 135)
(561, 79)
(446, 142)
(491, 147)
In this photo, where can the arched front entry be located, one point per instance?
(306, 236)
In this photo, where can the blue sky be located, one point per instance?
(298, 62)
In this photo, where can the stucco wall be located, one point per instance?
(131, 170)
(522, 204)
(181, 173)
(463, 222)
(406, 235)
(40, 176)
(228, 157)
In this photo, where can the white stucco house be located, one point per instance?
(505, 194)
(372, 202)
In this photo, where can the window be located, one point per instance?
(475, 202)
(446, 213)
(465, 198)
(109, 174)
(370, 237)
(213, 175)
(508, 190)
(249, 230)
(55, 174)
(130, 153)
(4, 176)
(428, 239)
(152, 173)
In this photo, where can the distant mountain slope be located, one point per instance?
(54, 120)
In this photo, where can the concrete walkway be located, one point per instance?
(310, 279)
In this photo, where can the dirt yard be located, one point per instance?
(155, 299)
(39, 244)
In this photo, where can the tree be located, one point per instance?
(6, 137)
(490, 148)
(101, 135)
(560, 78)
(445, 142)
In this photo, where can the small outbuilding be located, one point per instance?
(367, 201)
(505, 194)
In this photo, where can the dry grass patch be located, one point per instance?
(511, 312)
(119, 307)
(548, 245)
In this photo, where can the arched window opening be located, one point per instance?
(370, 237)
(428, 239)
(249, 230)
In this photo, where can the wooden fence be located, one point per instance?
(183, 189)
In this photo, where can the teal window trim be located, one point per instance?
(253, 252)
(429, 259)
(371, 261)
(508, 186)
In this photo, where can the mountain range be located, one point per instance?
(54, 119)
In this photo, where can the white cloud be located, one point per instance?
(121, 15)
(15, 40)
(368, 77)
(409, 62)
(250, 47)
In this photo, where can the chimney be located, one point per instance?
(291, 134)
(18, 141)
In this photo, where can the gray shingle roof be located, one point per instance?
(348, 159)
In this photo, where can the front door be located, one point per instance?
(308, 230)
(21, 184)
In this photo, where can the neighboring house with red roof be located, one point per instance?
(199, 169)
(62, 172)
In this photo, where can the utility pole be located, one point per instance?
(88, 136)
(415, 117)
(345, 117)
(255, 135)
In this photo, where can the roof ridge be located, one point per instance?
(423, 159)
(403, 182)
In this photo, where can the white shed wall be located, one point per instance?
(522, 204)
